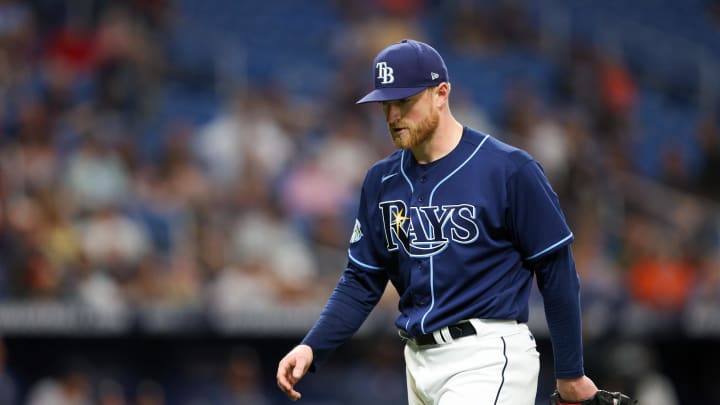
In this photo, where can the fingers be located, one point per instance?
(286, 379)
(291, 369)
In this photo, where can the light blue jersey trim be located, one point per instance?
(536, 255)
(456, 169)
(361, 264)
(432, 262)
(432, 295)
(383, 179)
(402, 170)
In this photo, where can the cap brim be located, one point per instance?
(389, 94)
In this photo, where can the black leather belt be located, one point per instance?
(456, 331)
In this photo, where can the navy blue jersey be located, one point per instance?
(453, 235)
(458, 238)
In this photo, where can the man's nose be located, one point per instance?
(393, 112)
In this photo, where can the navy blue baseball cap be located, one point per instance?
(404, 69)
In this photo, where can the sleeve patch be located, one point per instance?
(356, 233)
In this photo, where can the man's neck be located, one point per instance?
(445, 138)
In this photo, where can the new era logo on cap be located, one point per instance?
(405, 68)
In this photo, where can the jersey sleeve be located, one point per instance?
(359, 289)
(559, 285)
(535, 219)
(354, 297)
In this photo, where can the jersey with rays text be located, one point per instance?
(454, 235)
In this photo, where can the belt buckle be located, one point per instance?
(455, 331)
(415, 340)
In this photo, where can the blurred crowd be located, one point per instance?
(104, 205)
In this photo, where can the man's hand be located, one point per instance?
(582, 391)
(292, 368)
(576, 389)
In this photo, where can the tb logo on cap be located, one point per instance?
(385, 73)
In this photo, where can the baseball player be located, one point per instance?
(459, 223)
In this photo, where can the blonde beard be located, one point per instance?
(419, 134)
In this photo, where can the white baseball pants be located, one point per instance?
(498, 366)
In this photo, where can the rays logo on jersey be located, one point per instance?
(426, 231)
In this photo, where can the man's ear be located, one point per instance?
(442, 92)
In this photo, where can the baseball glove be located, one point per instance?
(602, 397)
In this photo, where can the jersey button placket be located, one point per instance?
(421, 298)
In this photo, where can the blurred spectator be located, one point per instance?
(637, 372)
(583, 179)
(244, 136)
(169, 191)
(112, 240)
(110, 392)
(406, 8)
(149, 392)
(310, 190)
(73, 44)
(659, 277)
(674, 168)
(16, 35)
(575, 78)
(523, 108)
(35, 159)
(71, 386)
(548, 143)
(319, 188)
(211, 245)
(143, 285)
(182, 283)
(96, 176)
(255, 273)
(346, 152)
(235, 288)
(241, 382)
(618, 94)
(701, 316)
(186, 181)
(172, 282)
(98, 290)
(58, 238)
(129, 65)
(33, 275)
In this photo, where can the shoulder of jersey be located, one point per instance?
(505, 153)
